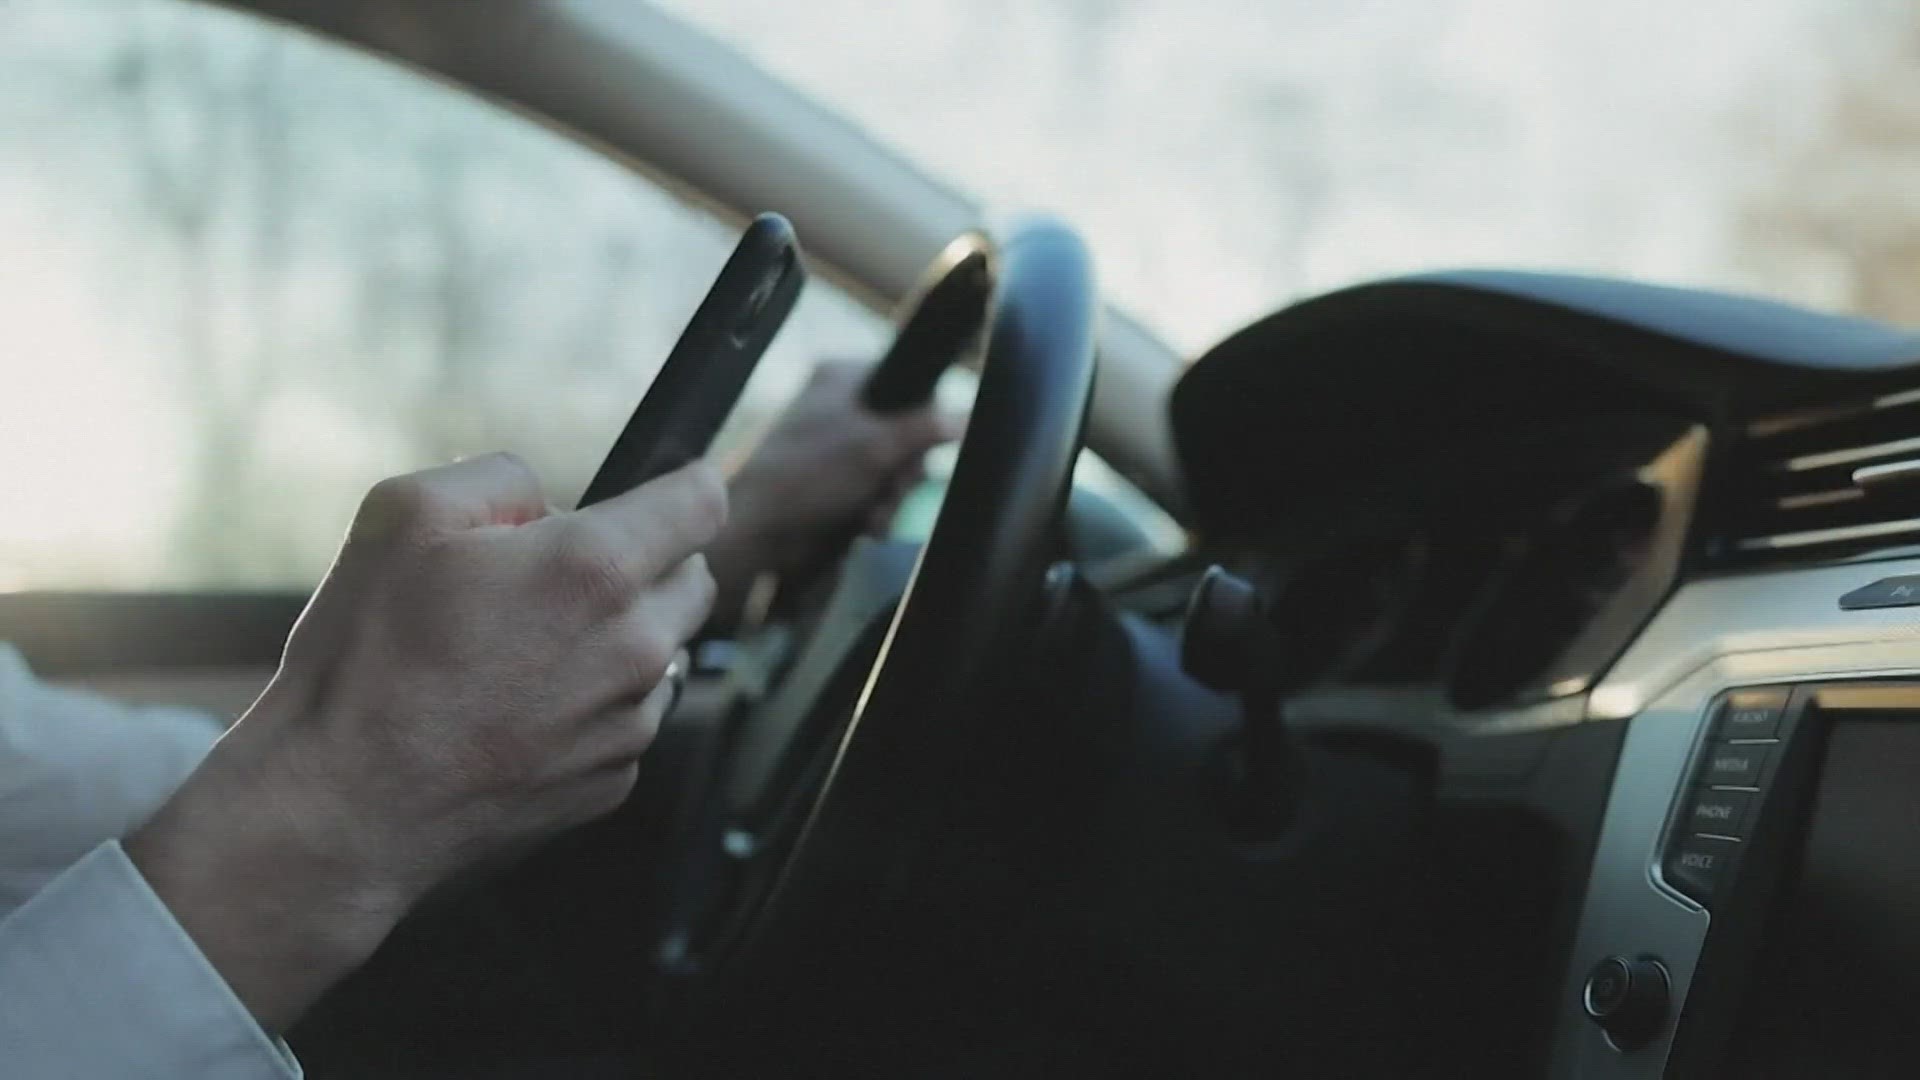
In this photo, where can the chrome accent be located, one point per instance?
(1890, 474)
(1835, 535)
(1714, 635)
(678, 670)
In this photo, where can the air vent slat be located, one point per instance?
(1825, 483)
(1851, 455)
(1813, 537)
(1811, 499)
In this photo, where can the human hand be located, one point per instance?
(827, 466)
(477, 672)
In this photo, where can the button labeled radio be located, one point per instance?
(1752, 714)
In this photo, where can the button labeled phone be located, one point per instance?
(1723, 813)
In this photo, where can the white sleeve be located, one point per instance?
(98, 982)
(97, 979)
(77, 768)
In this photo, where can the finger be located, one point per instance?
(620, 735)
(602, 791)
(491, 489)
(632, 652)
(638, 536)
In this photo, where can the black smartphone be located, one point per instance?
(703, 377)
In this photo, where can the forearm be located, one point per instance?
(267, 882)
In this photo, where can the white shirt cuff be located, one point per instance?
(98, 982)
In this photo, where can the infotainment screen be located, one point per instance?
(1835, 990)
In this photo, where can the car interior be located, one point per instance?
(1535, 693)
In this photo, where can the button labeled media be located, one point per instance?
(1736, 764)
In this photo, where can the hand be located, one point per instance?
(827, 466)
(476, 673)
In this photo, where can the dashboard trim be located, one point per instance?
(1714, 635)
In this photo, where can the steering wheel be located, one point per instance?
(890, 699)
(885, 701)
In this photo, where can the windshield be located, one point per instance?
(1228, 155)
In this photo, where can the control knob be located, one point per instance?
(1628, 999)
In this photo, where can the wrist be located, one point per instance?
(269, 882)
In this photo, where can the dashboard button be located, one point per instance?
(1752, 714)
(1887, 592)
(1723, 813)
(1735, 764)
(1697, 865)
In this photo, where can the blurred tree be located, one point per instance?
(180, 128)
(307, 268)
(1833, 213)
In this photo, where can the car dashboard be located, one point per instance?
(1588, 612)
(1631, 565)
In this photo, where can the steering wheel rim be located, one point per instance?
(976, 580)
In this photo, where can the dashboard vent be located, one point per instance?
(1826, 484)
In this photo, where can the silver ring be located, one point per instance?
(676, 676)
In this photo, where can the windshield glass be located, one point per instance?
(1228, 155)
